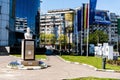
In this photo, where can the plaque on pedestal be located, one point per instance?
(28, 49)
(30, 63)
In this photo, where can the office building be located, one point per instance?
(7, 16)
(57, 22)
(25, 12)
(113, 28)
(20, 24)
(28, 9)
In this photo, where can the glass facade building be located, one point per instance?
(7, 16)
(28, 9)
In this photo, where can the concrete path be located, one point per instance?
(59, 70)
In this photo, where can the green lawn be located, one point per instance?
(94, 61)
(91, 78)
(38, 57)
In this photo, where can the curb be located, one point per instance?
(30, 68)
(20, 58)
(26, 68)
(96, 69)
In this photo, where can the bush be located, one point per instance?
(114, 62)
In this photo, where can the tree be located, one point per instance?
(102, 36)
(62, 40)
(97, 37)
(47, 38)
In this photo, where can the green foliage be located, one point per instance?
(93, 39)
(69, 29)
(97, 37)
(47, 38)
(62, 39)
(102, 37)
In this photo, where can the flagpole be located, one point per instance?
(81, 29)
(76, 31)
(87, 41)
(88, 31)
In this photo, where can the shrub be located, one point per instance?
(114, 62)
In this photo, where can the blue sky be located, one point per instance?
(111, 5)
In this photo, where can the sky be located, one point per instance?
(111, 5)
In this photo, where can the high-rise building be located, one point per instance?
(7, 15)
(113, 28)
(57, 22)
(28, 9)
(20, 24)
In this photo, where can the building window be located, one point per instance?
(42, 29)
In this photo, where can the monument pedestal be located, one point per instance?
(30, 63)
(28, 53)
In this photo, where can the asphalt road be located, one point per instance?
(59, 70)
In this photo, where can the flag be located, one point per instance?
(92, 11)
(102, 17)
(79, 20)
(85, 15)
(85, 23)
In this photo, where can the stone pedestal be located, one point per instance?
(28, 49)
(30, 63)
(28, 53)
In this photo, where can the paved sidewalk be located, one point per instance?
(59, 70)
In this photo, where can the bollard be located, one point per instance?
(103, 62)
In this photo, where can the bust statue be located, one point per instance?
(28, 35)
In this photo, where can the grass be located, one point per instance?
(91, 78)
(94, 61)
(119, 58)
(38, 57)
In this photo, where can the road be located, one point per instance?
(59, 70)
